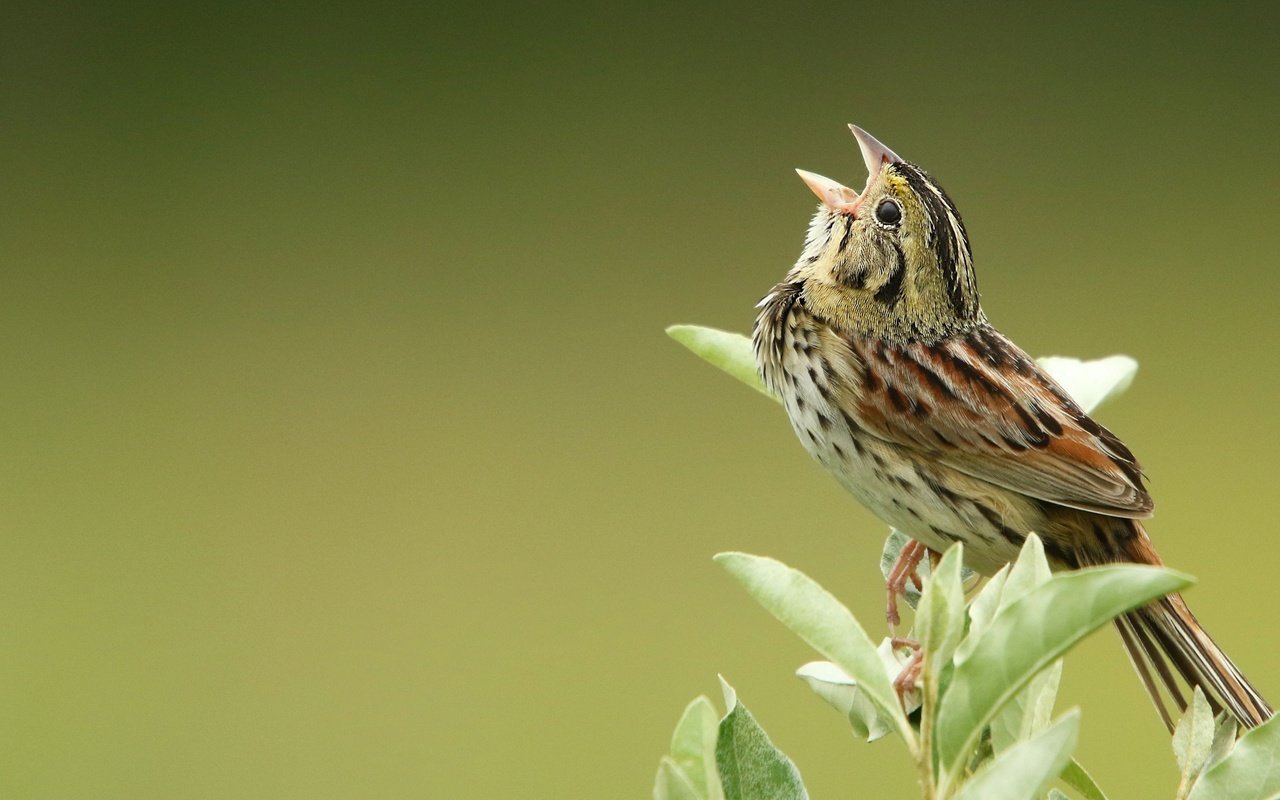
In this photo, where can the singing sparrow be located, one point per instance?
(897, 384)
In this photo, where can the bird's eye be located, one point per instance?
(888, 213)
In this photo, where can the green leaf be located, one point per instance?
(1011, 582)
(1079, 779)
(1192, 740)
(1090, 383)
(730, 352)
(693, 748)
(981, 611)
(1251, 771)
(1025, 769)
(843, 694)
(1031, 633)
(817, 617)
(940, 619)
(672, 783)
(1031, 709)
(1029, 570)
(1224, 738)
(751, 768)
(1055, 794)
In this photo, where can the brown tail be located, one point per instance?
(1165, 635)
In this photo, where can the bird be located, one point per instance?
(895, 382)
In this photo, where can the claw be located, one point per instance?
(909, 677)
(910, 674)
(904, 571)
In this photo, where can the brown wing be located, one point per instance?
(979, 404)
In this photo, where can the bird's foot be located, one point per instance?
(909, 676)
(904, 571)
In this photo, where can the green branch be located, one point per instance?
(980, 724)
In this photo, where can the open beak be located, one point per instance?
(841, 198)
(874, 153)
(835, 196)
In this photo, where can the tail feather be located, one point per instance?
(1165, 642)
(1136, 650)
(1168, 635)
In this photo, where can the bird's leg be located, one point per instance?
(910, 673)
(904, 569)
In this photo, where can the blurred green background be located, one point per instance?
(344, 455)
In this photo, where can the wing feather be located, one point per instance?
(980, 405)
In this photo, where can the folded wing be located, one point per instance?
(980, 405)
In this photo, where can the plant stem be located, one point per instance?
(928, 705)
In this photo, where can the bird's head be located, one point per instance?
(892, 260)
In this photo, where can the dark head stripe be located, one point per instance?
(891, 292)
(950, 241)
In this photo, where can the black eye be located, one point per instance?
(888, 212)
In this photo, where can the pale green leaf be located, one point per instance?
(1024, 770)
(1029, 711)
(940, 619)
(1079, 779)
(1030, 634)
(1042, 694)
(672, 783)
(1251, 771)
(1091, 382)
(693, 747)
(1192, 740)
(842, 692)
(730, 352)
(893, 544)
(751, 768)
(822, 621)
(1056, 794)
(1224, 738)
(981, 611)
(1029, 570)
